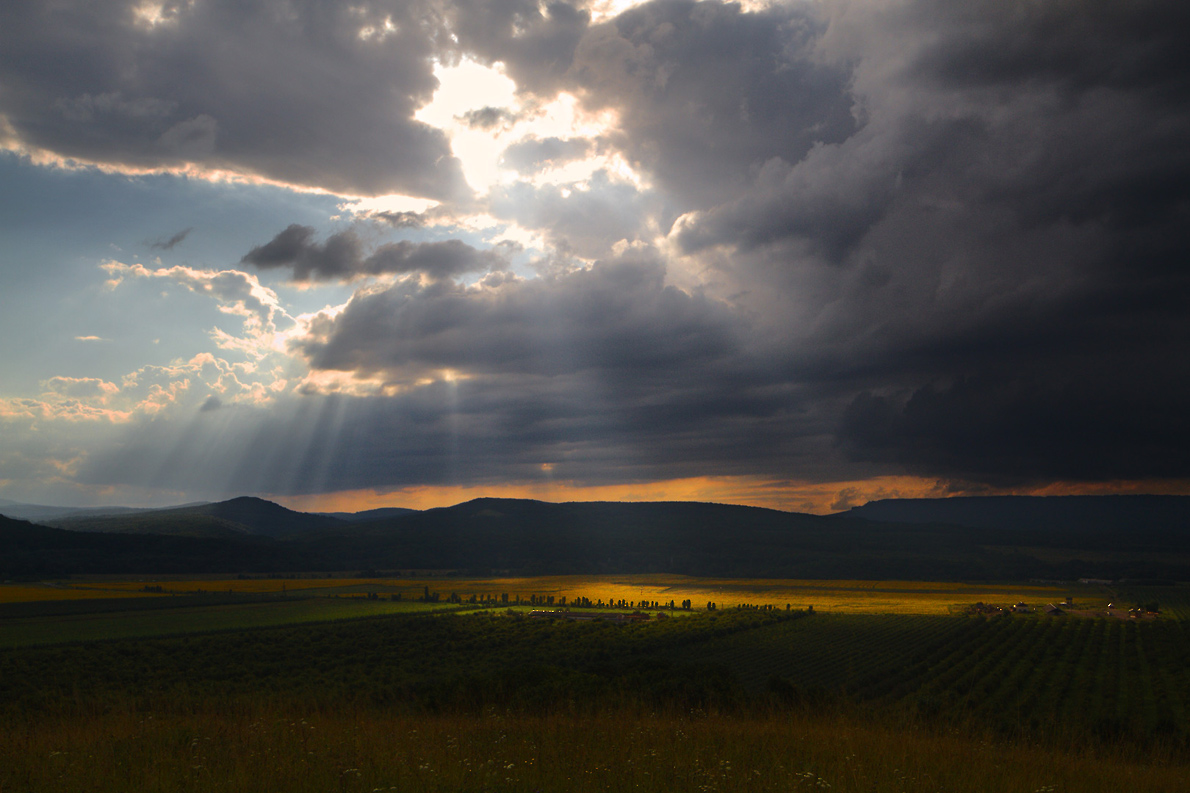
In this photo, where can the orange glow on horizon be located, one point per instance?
(814, 497)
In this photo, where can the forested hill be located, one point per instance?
(521, 537)
(28, 550)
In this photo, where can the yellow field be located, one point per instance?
(886, 597)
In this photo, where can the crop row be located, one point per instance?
(1037, 673)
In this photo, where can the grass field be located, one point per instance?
(267, 749)
(887, 686)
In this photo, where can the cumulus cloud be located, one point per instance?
(239, 294)
(341, 256)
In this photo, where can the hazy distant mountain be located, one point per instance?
(369, 514)
(244, 515)
(39, 512)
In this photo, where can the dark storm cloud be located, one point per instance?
(535, 41)
(168, 244)
(1013, 428)
(707, 93)
(1050, 112)
(342, 256)
(313, 92)
(957, 234)
(948, 239)
(984, 238)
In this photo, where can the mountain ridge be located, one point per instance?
(499, 536)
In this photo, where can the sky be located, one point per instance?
(798, 254)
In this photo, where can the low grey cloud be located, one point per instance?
(295, 92)
(342, 256)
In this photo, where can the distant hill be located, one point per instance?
(535, 537)
(244, 515)
(1163, 519)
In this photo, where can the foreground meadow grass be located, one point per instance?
(242, 750)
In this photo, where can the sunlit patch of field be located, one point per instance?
(863, 597)
(860, 597)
